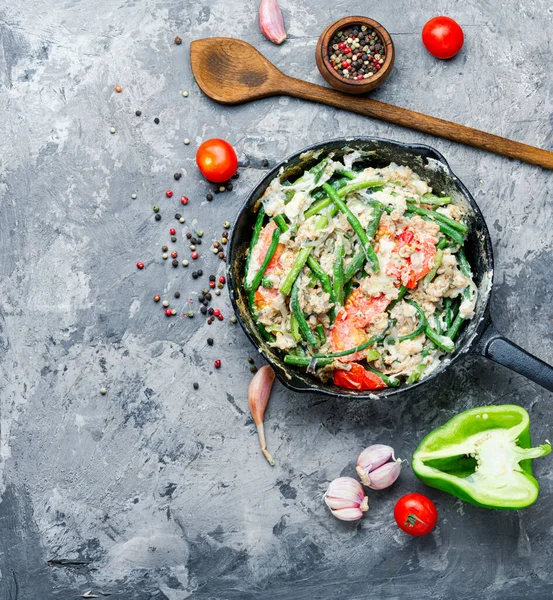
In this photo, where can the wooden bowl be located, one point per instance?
(353, 86)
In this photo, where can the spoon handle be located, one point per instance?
(421, 122)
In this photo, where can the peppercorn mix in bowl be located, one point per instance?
(355, 54)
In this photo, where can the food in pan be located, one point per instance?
(359, 275)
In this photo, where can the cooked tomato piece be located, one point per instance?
(263, 296)
(358, 379)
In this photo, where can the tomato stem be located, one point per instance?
(412, 520)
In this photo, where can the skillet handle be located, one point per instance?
(494, 346)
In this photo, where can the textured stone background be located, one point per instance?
(160, 489)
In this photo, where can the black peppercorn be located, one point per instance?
(212, 278)
(250, 360)
(177, 216)
(198, 242)
(177, 294)
(209, 296)
(229, 187)
(138, 113)
(175, 263)
(210, 311)
(195, 386)
(164, 248)
(195, 275)
(264, 163)
(178, 42)
(253, 369)
(210, 341)
(209, 197)
(173, 238)
(157, 217)
(203, 310)
(193, 240)
(177, 176)
(221, 255)
(236, 175)
(188, 235)
(156, 121)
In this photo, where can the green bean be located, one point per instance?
(300, 261)
(442, 243)
(355, 224)
(302, 323)
(325, 282)
(416, 374)
(281, 223)
(422, 323)
(264, 333)
(320, 194)
(324, 202)
(305, 361)
(266, 283)
(289, 195)
(437, 217)
(378, 210)
(370, 342)
(270, 253)
(447, 310)
(443, 342)
(338, 279)
(321, 334)
(434, 270)
(464, 265)
(348, 288)
(438, 322)
(255, 238)
(348, 174)
(376, 184)
(354, 265)
(389, 381)
(435, 200)
(456, 325)
(401, 292)
(295, 328)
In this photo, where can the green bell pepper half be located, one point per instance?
(483, 456)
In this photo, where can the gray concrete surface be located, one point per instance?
(157, 489)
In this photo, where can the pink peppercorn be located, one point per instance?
(222, 279)
(167, 311)
(140, 265)
(169, 193)
(217, 364)
(174, 254)
(172, 231)
(195, 255)
(183, 200)
(216, 312)
(220, 317)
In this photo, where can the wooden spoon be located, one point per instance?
(232, 71)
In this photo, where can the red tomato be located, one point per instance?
(358, 379)
(217, 160)
(443, 37)
(415, 514)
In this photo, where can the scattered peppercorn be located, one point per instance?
(177, 175)
(200, 233)
(233, 319)
(133, 196)
(212, 278)
(157, 298)
(188, 235)
(186, 141)
(216, 244)
(177, 216)
(168, 312)
(222, 188)
(212, 284)
(190, 313)
(216, 312)
(209, 296)
(217, 364)
(177, 294)
(195, 275)
(203, 310)
(169, 193)
(220, 317)
(178, 41)
(216, 189)
(195, 385)
(210, 341)
(220, 286)
(158, 217)
(195, 255)
(118, 89)
(253, 369)
(210, 320)
(200, 272)
(221, 255)
(112, 130)
(181, 220)
(210, 311)
(236, 175)
(156, 208)
(226, 224)
(175, 263)
(138, 113)
(217, 292)
(222, 279)
(183, 200)
(192, 247)
(156, 121)
(229, 187)
(224, 240)
(103, 391)
(209, 197)
(250, 360)
(172, 231)
(140, 265)
(173, 311)
(185, 94)
(264, 163)
(174, 254)
(166, 303)
(185, 263)
(164, 248)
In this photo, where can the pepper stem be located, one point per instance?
(263, 444)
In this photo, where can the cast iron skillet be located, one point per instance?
(478, 335)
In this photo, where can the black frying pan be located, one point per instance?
(478, 335)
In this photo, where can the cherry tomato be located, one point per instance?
(415, 514)
(443, 37)
(217, 160)
(358, 379)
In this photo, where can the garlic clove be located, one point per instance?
(259, 392)
(346, 499)
(384, 476)
(271, 21)
(370, 459)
